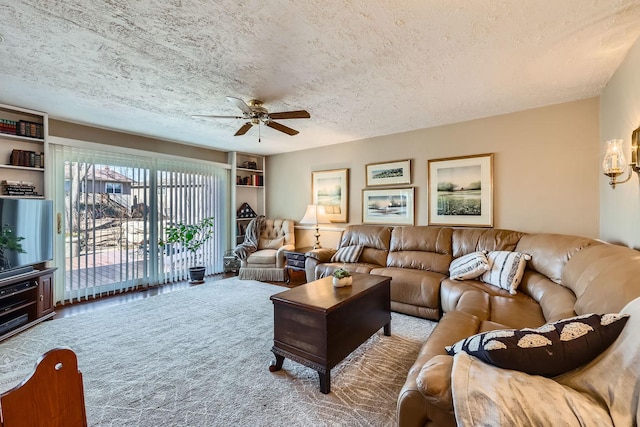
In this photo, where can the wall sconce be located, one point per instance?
(614, 163)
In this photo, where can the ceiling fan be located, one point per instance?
(256, 114)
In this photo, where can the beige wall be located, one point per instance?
(545, 168)
(619, 116)
(102, 136)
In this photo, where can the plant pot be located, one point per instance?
(196, 275)
(345, 281)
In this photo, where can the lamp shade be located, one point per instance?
(315, 214)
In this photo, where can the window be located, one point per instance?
(113, 188)
(113, 230)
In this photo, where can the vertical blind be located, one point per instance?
(116, 208)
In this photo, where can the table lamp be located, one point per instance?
(315, 214)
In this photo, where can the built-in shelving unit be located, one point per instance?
(249, 172)
(23, 147)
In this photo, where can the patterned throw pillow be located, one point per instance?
(549, 350)
(348, 254)
(505, 269)
(469, 266)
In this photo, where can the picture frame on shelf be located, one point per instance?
(461, 191)
(388, 206)
(330, 188)
(388, 173)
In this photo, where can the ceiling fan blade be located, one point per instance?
(282, 128)
(204, 116)
(299, 114)
(245, 127)
(240, 104)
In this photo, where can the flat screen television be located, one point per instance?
(26, 236)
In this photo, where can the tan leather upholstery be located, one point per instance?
(567, 275)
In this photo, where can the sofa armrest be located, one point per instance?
(315, 257)
(321, 254)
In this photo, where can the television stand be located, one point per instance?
(17, 272)
(26, 299)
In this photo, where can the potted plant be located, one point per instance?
(192, 237)
(9, 242)
(342, 277)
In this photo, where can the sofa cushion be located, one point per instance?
(469, 266)
(505, 269)
(466, 240)
(550, 252)
(374, 238)
(421, 248)
(348, 254)
(271, 243)
(549, 350)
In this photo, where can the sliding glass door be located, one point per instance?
(116, 207)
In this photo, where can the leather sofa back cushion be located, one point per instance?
(374, 238)
(421, 248)
(469, 240)
(603, 277)
(550, 252)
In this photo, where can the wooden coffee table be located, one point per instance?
(318, 325)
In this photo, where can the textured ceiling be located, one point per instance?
(361, 68)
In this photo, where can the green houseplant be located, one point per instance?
(342, 277)
(191, 237)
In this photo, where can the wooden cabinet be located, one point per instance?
(25, 300)
(249, 172)
(45, 295)
(23, 150)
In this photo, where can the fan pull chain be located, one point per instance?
(259, 133)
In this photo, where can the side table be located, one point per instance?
(295, 260)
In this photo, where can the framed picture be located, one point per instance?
(388, 206)
(461, 191)
(331, 190)
(390, 173)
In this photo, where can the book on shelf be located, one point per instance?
(18, 188)
(8, 126)
(26, 158)
(30, 129)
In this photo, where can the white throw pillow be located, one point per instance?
(469, 266)
(506, 269)
(348, 254)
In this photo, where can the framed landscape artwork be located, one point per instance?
(389, 173)
(331, 190)
(461, 191)
(389, 206)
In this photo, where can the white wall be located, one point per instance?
(545, 168)
(619, 116)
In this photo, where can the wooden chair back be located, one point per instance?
(52, 396)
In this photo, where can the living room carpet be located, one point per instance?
(200, 356)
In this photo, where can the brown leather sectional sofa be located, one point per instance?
(566, 276)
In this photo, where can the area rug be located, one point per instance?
(200, 356)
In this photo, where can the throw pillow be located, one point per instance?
(271, 243)
(505, 269)
(469, 266)
(549, 350)
(348, 254)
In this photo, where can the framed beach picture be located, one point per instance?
(389, 173)
(388, 206)
(331, 190)
(461, 191)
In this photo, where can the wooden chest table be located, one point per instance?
(318, 325)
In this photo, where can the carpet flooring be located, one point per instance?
(199, 357)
